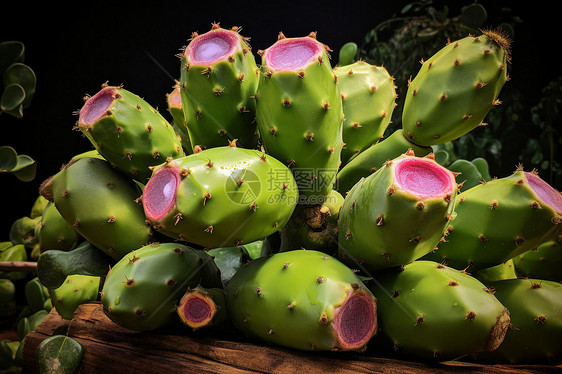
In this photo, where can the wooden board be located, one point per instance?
(110, 348)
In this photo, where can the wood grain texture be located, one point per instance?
(110, 348)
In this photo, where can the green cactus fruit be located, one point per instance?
(173, 99)
(141, 292)
(220, 197)
(543, 262)
(23, 229)
(218, 81)
(314, 226)
(128, 132)
(202, 307)
(38, 207)
(499, 220)
(535, 333)
(372, 158)
(368, 98)
(55, 232)
(7, 290)
(456, 88)
(99, 202)
(76, 290)
(299, 113)
(10, 252)
(302, 299)
(505, 270)
(229, 260)
(397, 214)
(428, 311)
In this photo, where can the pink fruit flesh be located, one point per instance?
(96, 106)
(211, 47)
(424, 178)
(196, 310)
(546, 193)
(159, 193)
(174, 98)
(293, 53)
(355, 321)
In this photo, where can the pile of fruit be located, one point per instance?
(272, 204)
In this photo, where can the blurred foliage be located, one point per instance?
(17, 92)
(420, 30)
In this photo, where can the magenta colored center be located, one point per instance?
(211, 47)
(423, 178)
(159, 193)
(546, 193)
(292, 54)
(197, 310)
(96, 106)
(355, 320)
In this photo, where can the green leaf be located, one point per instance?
(53, 266)
(12, 97)
(59, 354)
(26, 168)
(23, 75)
(8, 158)
(474, 16)
(10, 52)
(347, 54)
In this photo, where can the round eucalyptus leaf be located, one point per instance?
(12, 97)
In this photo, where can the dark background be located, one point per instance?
(74, 50)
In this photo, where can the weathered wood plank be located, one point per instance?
(110, 348)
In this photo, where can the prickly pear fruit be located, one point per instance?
(499, 220)
(535, 332)
(76, 290)
(220, 197)
(397, 214)
(56, 232)
(429, 311)
(219, 77)
(98, 201)
(143, 289)
(302, 299)
(202, 307)
(372, 158)
(173, 99)
(456, 88)
(543, 262)
(299, 112)
(314, 226)
(128, 132)
(368, 97)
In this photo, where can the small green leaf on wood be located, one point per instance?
(59, 354)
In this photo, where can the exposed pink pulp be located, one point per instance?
(196, 310)
(97, 105)
(546, 193)
(292, 53)
(213, 46)
(423, 178)
(355, 321)
(159, 194)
